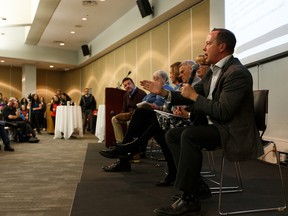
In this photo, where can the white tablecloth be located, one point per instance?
(68, 118)
(100, 124)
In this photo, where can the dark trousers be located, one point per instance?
(144, 125)
(87, 117)
(186, 144)
(4, 136)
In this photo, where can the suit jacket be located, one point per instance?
(231, 110)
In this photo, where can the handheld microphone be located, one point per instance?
(119, 86)
(194, 69)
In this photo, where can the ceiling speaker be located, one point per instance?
(85, 50)
(144, 7)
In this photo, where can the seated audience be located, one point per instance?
(11, 113)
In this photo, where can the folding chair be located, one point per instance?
(261, 109)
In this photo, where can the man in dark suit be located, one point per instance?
(227, 100)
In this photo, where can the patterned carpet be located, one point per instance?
(40, 179)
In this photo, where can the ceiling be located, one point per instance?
(55, 20)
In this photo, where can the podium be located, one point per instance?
(113, 104)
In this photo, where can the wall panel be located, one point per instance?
(143, 58)
(180, 37)
(160, 48)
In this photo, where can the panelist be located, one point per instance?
(226, 97)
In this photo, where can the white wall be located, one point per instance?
(272, 76)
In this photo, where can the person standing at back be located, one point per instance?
(88, 104)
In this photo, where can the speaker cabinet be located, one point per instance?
(144, 7)
(85, 50)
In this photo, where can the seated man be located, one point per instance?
(4, 135)
(11, 113)
(143, 126)
(132, 96)
(227, 100)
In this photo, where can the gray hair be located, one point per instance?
(188, 62)
(163, 75)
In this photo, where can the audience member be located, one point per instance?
(132, 96)
(35, 108)
(226, 97)
(43, 119)
(11, 113)
(4, 137)
(24, 101)
(24, 113)
(88, 104)
(53, 107)
(64, 99)
(58, 92)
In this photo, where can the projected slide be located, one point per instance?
(260, 26)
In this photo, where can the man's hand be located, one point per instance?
(180, 111)
(189, 92)
(153, 87)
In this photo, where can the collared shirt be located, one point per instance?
(216, 71)
(130, 94)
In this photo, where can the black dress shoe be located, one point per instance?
(180, 208)
(8, 148)
(110, 153)
(203, 192)
(119, 166)
(168, 181)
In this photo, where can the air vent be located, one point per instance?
(89, 3)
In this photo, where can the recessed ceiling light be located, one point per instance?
(2, 61)
(89, 3)
(62, 44)
(72, 32)
(84, 18)
(51, 66)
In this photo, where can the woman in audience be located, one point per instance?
(43, 120)
(53, 107)
(36, 107)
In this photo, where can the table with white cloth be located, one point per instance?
(68, 118)
(100, 124)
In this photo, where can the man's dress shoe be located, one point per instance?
(8, 148)
(110, 153)
(203, 192)
(119, 166)
(180, 208)
(168, 181)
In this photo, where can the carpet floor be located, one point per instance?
(134, 193)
